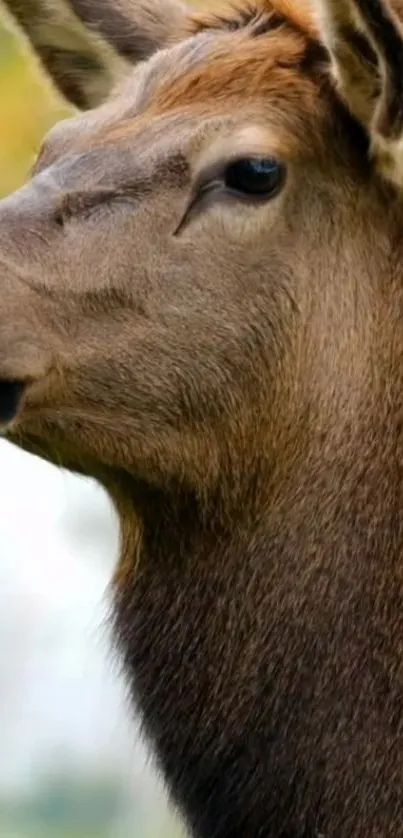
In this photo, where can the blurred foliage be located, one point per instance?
(29, 107)
(80, 807)
(64, 807)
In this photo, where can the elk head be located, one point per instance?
(201, 307)
(173, 273)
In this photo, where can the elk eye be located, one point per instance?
(255, 177)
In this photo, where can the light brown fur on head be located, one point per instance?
(235, 15)
(229, 365)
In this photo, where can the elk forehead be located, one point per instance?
(270, 72)
(263, 71)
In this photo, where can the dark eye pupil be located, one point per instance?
(255, 176)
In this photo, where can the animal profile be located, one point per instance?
(202, 308)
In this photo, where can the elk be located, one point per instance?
(202, 308)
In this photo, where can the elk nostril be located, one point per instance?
(10, 398)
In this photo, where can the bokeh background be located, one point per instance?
(72, 762)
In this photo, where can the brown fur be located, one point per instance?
(232, 372)
(237, 15)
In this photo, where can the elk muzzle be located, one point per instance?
(24, 354)
(10, 399)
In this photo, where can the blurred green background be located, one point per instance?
(97, 797)
(28, 107)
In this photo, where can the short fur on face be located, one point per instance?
(231, 370)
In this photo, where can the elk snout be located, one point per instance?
(22, 365)
(24, 360)
(24, 357)
(11, 393)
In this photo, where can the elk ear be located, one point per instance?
(365, 41)
(84, 45)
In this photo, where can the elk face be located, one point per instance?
(160, 272)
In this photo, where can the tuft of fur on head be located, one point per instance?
(259, 16)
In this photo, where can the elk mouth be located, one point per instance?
(11, 393)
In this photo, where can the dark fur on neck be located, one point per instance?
(266, 658)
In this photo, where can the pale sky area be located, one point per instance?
(60, 694)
